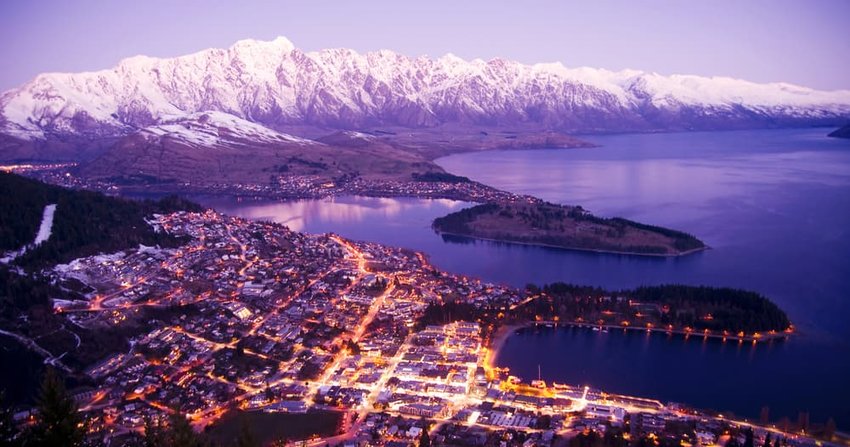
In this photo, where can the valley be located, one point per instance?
(390, 248)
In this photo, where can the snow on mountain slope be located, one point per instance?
(217, 128)
(275, 84)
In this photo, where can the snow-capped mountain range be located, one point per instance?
(257, 86)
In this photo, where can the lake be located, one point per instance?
(774, 205)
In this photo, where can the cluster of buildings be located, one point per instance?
(251, 316)
(465, 191)
(289, 186)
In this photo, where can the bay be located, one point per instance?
(774, 205)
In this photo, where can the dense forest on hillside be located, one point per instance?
(22, 203)
(85, 222)
(443, 177)
(699, 308)
(459, 221)
(682, 241)
(24, 301)
(26, 309)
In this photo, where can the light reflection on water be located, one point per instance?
(775, 208)
(329, 213)
(773, 205)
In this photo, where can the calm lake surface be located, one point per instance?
(773, 205)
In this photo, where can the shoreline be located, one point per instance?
(133, 192)
(687, 334)
(501, 335)
(497, 341)
(588, 250)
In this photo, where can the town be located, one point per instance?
(282, 187)
(250, 317)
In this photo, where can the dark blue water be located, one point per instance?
(773, 205)
(710, 374)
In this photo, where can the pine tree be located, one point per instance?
(766, 440)
(425, 439)
(58, 421)
(246, 438)
(181, 434)
(776, 442)
(175, 432)
(154, 433)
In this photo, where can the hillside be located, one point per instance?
(559, 226)
(700, 308)
(85, 223)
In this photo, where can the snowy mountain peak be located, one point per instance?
(280, 44)
(273, 50)
(273, 84)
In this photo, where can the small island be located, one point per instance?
(569, 227)
(843, 132)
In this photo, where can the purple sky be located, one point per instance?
(803, 42)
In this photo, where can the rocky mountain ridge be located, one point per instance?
(278, 86)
